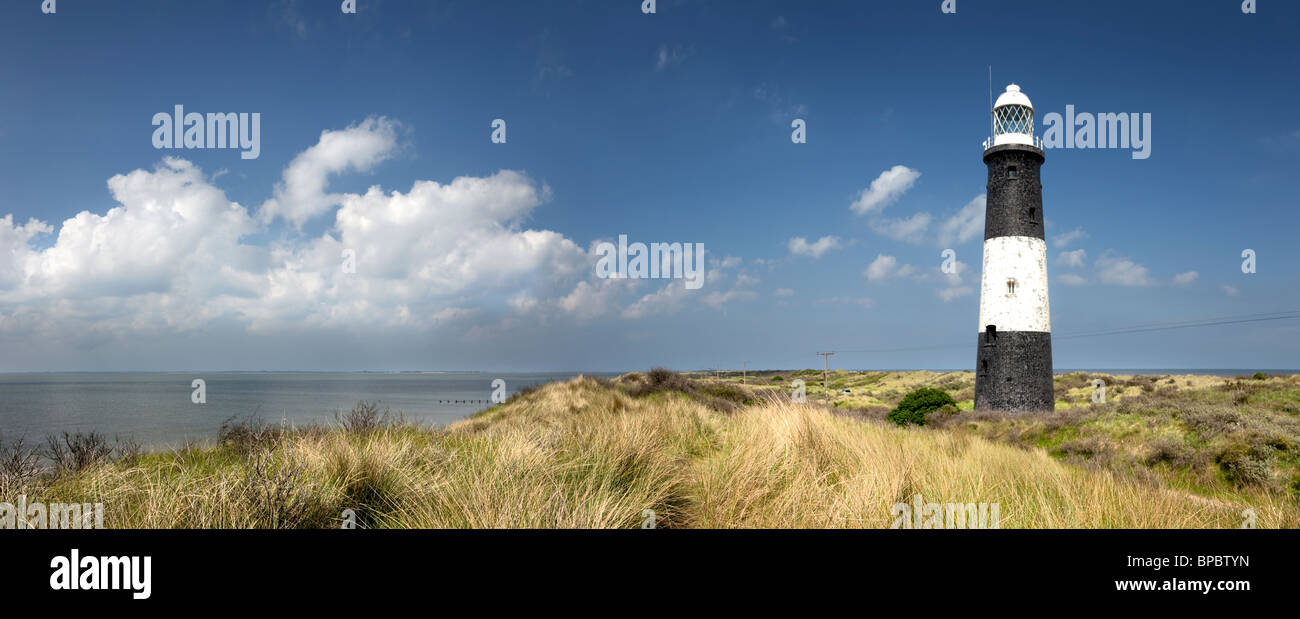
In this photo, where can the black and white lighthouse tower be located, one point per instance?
(1013, 368)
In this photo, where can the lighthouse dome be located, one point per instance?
(1013, 96)
(1013, 118)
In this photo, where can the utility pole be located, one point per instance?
(826, 368)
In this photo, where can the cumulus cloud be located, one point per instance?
(301, 196)
(1183, 279)
(170, 254)
(800, 246)
(175, 254)
(722, 288)
(13, 264)
(590, 300)
(885, 190)
(1064, 240)
(1231, 291)
(884, 267)
(1120, 271)
(954, 282)
(1070, 279)
(966, 224)
(1074, 259)
(909, 229)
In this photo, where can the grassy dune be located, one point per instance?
(1228, 439)
(591, 453)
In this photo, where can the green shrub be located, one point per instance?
(917, 404)
(1244, 464)
(1261, 376)
(776, 378)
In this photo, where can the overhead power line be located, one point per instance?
(1138, 328)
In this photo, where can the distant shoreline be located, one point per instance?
(1133, 371)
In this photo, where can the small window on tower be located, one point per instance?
(1011, 286)
(1012, 172)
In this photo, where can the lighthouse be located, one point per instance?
(1013, 368)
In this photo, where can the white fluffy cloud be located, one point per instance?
(955, 286)
(168, 255)
(910, 229)
(302, 195)
(887, 188)
(1183, 279)
(966, 224)
(13, 263)
(800, 246)
(1065, 239)
(1074, 259)
(672, 297)
(175, 254)
(884, 267)
(1121, 271)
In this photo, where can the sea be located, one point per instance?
(158, 411)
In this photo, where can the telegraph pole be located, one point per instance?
(826, 368)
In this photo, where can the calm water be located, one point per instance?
(155, 409)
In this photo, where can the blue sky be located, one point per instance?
(671, 127)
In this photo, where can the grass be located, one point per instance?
(705, 453)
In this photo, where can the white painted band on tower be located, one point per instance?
(1013, 289)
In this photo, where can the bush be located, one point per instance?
(1171, 450)
(19, 465)
(363, 418)
(278, 496)
(1261, 376)
(777, 378)
(659, 380)
(78, 451)
(917, 404)
(1244, 464)
(724, 398)
(248, 435)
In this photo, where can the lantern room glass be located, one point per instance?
(1013, 119)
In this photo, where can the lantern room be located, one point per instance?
(1013, 119)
